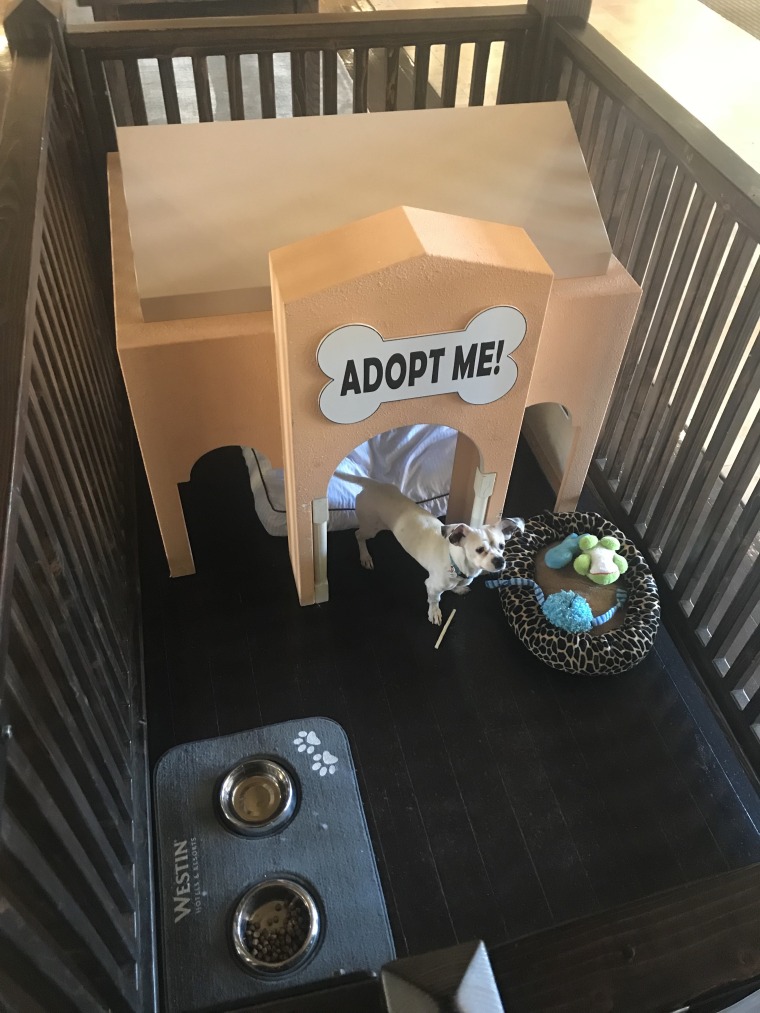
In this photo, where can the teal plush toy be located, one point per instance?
(560, 555)
(599, 560)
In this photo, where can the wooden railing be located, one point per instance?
(384, 60)
(678, 461)
(75, 917)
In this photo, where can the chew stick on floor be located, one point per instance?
(445, 627)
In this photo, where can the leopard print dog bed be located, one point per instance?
(602, 653)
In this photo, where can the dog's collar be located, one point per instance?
(455, 569)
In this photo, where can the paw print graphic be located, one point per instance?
(306, 742)
(324, 763)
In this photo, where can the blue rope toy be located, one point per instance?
(566, 609)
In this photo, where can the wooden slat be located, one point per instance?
(75, 731)
(741, 606)
(51, 828)
(86, 369)
(81, 646)
(649, 240)
(507, 73)
(601, 141)
(329, 83)
(715, 430)
(391, 78)
(104, 645)
(645, 336)
(54, 986)
(20, 237)
(450, 74)
(722, 521)
(89, 77)
(56, 456)
(627, 181)
(55, 316)
(169, 89)
(585, 118)
(708, 314)
(135, 91)
(479, 73)
(421, 75)
(202, 89)
(266, 86)
(35, 889)
(746, 663)
(361, 79)
(743, 534)
(235, 86)
(298, 83)
(632, 215)
(681, 300)
(611, 178)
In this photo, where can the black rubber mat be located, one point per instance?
(204, 868)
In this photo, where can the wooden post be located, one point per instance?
(459, 977)
(551, 10)
(31, 26)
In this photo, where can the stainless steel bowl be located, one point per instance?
(257, 797)
(284, 917)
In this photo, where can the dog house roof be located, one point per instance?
(396, 237)
(207, 202)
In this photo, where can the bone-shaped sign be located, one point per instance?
(367, 371)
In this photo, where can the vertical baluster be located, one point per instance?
(479, 73)
(298, 83)
(361, 76)
(135, 92)
(266, 86)
(330, 82)
(202, 89)
(450, 74)
(391, 78)
(235, 86)
(169, 89)
(421, 75)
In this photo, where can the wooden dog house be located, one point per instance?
(431, 221)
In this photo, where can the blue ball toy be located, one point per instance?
(569, 611)
(560, 555)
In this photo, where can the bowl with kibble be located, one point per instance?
(276, 926)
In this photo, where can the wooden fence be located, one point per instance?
(75, 918)
(382, 58)
(678, 461)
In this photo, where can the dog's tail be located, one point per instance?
(359, 480)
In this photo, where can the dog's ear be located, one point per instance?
(511, 526)
(458, 533)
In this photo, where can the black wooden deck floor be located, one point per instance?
(502, 797)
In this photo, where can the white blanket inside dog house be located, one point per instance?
(416, 459)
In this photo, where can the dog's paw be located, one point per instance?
(464, 589)
(434, 615)
(367, 562)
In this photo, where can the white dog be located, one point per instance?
(452, 554)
